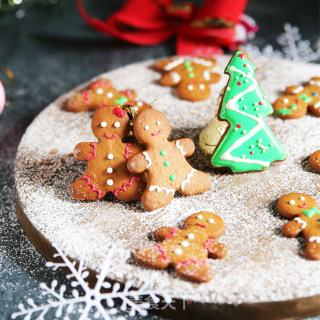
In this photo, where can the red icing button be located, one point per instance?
(241, 55)
(260, 103)
(244, 65)
(239, 126)
(239, 83)
(251, 152)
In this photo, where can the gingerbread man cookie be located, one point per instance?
(191, 76)
(187, 249)
(298, 99)
(102, 93)
(164, 161)
(107, 159)
(314, 161)
(305, 218)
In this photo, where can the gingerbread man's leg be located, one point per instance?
(156, 197)
(194, 270)
(85, 188)
(312, 250)
(154, 257)
(131, 190)
(195, 182)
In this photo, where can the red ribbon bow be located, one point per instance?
(199, 30)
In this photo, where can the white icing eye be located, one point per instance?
(190, 87)
(302, 198)
(109, 95)
(202, 86)
(158, 123)
(178, 251)
(200, 216)
(292, 202)
(99, 91)
(103, 124)
(146, 128)
(117, 124)
(285, 100)
(190, 236)
(211, 220)
(184, 243)
(139, 104)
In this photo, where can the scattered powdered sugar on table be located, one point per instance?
(262, 265)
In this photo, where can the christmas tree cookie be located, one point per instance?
(248, 144)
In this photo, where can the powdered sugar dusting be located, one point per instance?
(262, 265)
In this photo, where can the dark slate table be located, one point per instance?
(51, 50)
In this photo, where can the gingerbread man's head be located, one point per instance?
(151, 127)
(292, 205)
(207, 222)
(110, 122)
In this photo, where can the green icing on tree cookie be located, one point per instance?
(249, 144)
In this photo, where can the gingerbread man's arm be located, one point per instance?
(216, 249)
(85, 151)
(170, 79)
(139, 163)
(185, 146)
(292, 228)
(162, 233)
(214, 77)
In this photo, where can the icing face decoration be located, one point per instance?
(208, 221)
(293, 204)
(109, 125)
(249, 144)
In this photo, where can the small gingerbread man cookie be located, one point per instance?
(188, 249)
(298, 99)
(314, 161)
(107, 159)
(102, 93)
(305, 218)
(192, 76)
(164, 161)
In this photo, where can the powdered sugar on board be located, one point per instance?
(262, 265)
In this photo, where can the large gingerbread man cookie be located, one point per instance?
(305, 218)
(187, 249)
(102, 93)
(107, 159)
(191, 76)
(164, 161)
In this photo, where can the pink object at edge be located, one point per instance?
(2, 97)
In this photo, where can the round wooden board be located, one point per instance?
(265, 275)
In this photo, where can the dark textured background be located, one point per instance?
(50, 51)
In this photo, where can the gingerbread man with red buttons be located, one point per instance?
(107, 159)
(187, 249)
(164, 161)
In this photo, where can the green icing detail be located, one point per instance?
(191, 75)
(189, 68)
(163, 153)
(305, 98)
(309, 213)
(283, 111)
(187, 63)
(234, 147)
(121, 100)
(172, 177)
(166, 163)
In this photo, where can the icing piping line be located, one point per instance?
(146, 156)
(201, 225)
(159, 189)
(207, 243)
(130, 183)
(92, 151)
(175, 76)
(187, 180)
(179, 61)
(163, 254)
(300, 221)
(86, 96)
(180, 147)
(172, 233)
(93, 188)
(127, 151)
(314, 239)
(187, 262)
(100, 84)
